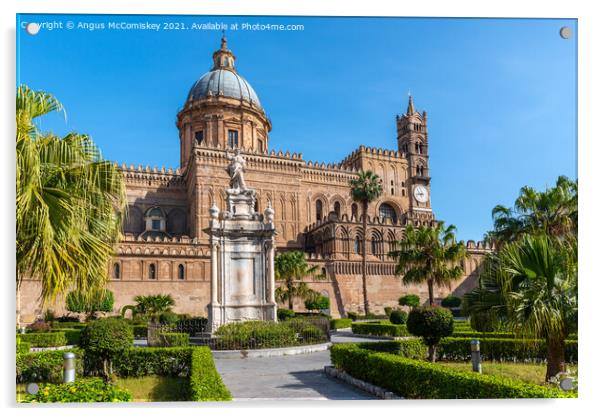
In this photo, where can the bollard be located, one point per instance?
(68, 367)
(22, 330)
(475, 351)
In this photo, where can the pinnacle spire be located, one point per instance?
(410, 110)
(223, 58)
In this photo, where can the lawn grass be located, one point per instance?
(156, 388)
(145, 389)
(531, 373)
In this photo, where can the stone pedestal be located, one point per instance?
(242, 261)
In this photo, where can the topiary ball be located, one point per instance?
(107, 337)
(409, 300)
(398, 317)
(431, 323)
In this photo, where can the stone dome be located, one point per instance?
(226, 83)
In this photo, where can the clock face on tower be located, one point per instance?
(421, 193)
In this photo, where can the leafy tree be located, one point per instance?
(365, 189)
(552, 212)
(290, 269)
(398, 317)
(451, 301)
(409, 300)
(99, 301)
(531, 284)
(150, 306)
(104, 339)
(431, 255)
(68, 201)
(431, 323)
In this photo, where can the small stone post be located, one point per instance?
(68, 367)
(475, 351)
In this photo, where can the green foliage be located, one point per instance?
(412, 348)
(68, 324)
(72, 335)
(103, 340)
(430, 323)
(317, 303)
(138, 362)
(22, 346)
(451, 301)
(284, 314)
(398, 317)
(485, 321)
(255, 335)
(86, 391)
(503, 349)
(431, 255)
(379, 329)
(150, 306)
(98, 301)
(340, 323)
(168, 317)
(290, 269)
(388, 310)
(352, 315)
(140, 331)
(39, 326)
(46, 366)
(174, 339)
(409, 300)
(205, 382)
(68, 201)
(44, 339)
(417, 379)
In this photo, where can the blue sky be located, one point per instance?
(500, 93)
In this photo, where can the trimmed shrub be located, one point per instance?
(104, 339)
(284, 314)
(307, 333)
(205, 382)
(352, 315)
(22, 346)
(412, 348)
(451, 302)
(340, 323)
(72, 335)
(69, 325)
(46, 366)
(379, 329)
(432, 324)
(409, 300)
(492, 349)
(481, 335)
(80, 391)
(140, 331)
(44, 339)
(317, 303)
(416, 379)
(388, 310)
(398, 317)
(255, 335)
(174, 339)
(138, 362)
(484, 322)
(39, 326)
(66, 318)
(168, 317)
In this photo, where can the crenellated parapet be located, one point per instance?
(484, 246)
(372, 152)
(155, 175)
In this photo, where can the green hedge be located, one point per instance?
(45, 366)
(44, 339)
(379, 329)
(174, 339)
(415, 379)
(501, 349)
(140, 331)
(75, 325)
(72, 335)
(409, 348)
(205, 382)
(483, 335)
(138, 362)
(81, 391)
(340, 323)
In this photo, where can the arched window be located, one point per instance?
(358, 245)
(337, 209)
(152, 271)
(374, 246)
(354, 211)
(181, 272)
(319, 210)
(387, 211)
(420, 170)
(198, 136)
(116, 271)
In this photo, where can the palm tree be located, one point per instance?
(552, 212)
(531, 284)
(366, 188)
(150, 306)
(68, 203)
(290, 268)
(431, 255)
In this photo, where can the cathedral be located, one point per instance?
(165, 248)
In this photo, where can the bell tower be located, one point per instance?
(412, 140)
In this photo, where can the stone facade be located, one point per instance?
(165, 250)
